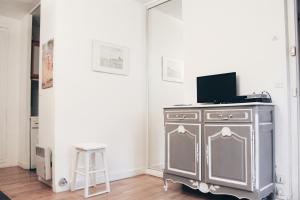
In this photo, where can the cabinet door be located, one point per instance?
(182, 150)
(229, 155)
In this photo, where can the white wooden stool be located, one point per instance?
(90, 151)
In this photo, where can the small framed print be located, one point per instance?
(172, 70)
(110, 58)
(35, 51)
(47, 64)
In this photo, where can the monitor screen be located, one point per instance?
(216, 88)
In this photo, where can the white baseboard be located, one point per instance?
(100, 179)
(156, 173)
(5, 165)
(23, 165)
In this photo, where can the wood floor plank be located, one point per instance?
(20, 184)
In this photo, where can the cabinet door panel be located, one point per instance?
(182, 150)
(229, 155)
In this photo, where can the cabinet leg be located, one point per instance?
(166, 185)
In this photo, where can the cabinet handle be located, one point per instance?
(197, 154)
(207, 156)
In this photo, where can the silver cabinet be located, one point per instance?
(183, 147)
(230, 115)
(230, 151)
(183, 116)
(229, 156)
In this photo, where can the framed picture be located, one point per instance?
(172, 70)
(35, 51)
(110, 58)
(47, 62)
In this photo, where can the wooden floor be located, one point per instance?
(20, 184)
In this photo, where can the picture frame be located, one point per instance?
(47, 64)
(172, 70)
(35, 51)
(110, 58)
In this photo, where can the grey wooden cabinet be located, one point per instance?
(182, 147)
(228, 155)
(222, 149)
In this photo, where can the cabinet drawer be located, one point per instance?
(233, 115)
(182, 116)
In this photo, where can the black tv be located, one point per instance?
(218, 88)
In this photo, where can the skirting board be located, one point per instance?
(100, 179)
(23, 165)
(154, 173)
(5, 165)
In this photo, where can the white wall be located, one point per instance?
(91, 106)
(165, 38)
(247, 37)
(46, 96)
(24, 83)
(13, 98)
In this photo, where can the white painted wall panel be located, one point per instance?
(247, 37)
(12, 55)
(3, 93)
(88, 106)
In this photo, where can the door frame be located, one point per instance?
(25, 91)
(3, 148)
(148, 5)
(292, 35)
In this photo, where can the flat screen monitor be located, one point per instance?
(218, 88)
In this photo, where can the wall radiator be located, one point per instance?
(43, 164)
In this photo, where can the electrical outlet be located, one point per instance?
(279, 179)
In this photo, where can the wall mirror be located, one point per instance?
(165, 72)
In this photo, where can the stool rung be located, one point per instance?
(97, 171)
(90, 172)
(98, 193)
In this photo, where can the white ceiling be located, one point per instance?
(16, 8)
(172, 8)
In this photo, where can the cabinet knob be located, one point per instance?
(181, 129)
(226, 132)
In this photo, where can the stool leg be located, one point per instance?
(106, 171)
(74, 174)
(93, 176)
(87, 176)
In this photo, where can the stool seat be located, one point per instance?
(90, 152)
(90, 146)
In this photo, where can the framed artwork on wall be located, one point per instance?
(172, 70)
(35, 51)
(110, 58)
(47, 62)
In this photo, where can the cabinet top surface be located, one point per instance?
(200, 105)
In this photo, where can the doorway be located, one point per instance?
(165, 72)
(34, 85)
